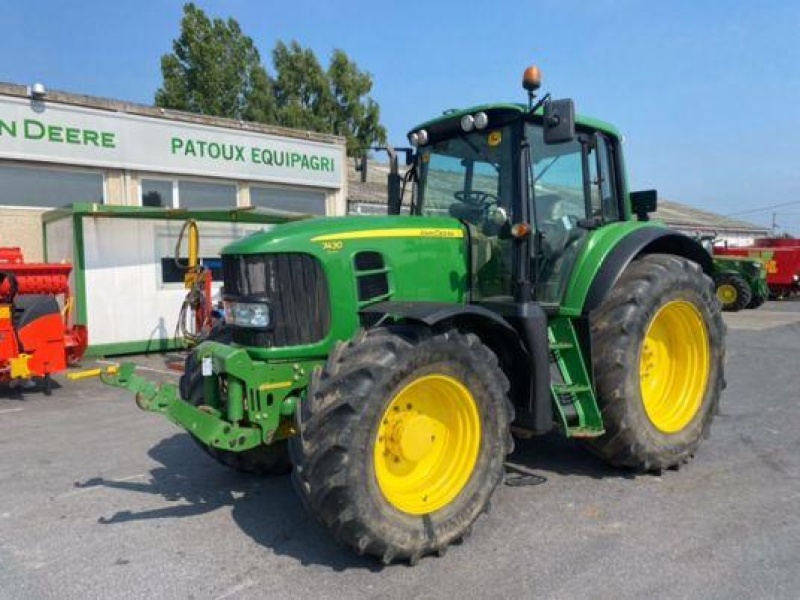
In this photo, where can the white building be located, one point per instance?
(58, 148)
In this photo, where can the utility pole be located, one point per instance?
(774, 224)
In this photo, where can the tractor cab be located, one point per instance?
(529, 183)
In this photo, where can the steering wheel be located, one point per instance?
(475, 197)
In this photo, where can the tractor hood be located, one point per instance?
(339, 234)
(359, 261)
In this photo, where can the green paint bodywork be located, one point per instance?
(420, 267)
(599, 244)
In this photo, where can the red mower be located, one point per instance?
(36, 339)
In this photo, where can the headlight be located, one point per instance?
(248, 314)
(481, 120)
(418, 138)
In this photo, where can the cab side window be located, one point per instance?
(558, 183)
(603, 189)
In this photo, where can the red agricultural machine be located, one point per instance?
(782, 259)
(36, 339)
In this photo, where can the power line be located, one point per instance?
(763, 208)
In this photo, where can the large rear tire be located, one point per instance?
(263, 460)
(403, 441)
(658, 356)
(732, 291)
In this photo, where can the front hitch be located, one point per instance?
(150, 396)
(205, 423)
(245, 402)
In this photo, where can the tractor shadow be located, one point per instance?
(553, 454)
(267, 509)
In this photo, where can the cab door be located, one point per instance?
(573, 191)
(559, 184)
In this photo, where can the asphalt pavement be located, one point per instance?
(100, 500)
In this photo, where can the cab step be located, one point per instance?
(563, 388)
(560, 346)
(573, 396)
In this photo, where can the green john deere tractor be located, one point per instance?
(741, 282)
(387, 360)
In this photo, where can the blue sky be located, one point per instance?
(707, 93)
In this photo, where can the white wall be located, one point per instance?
(126, 300)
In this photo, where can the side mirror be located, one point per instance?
(643, 203)
(559, 121)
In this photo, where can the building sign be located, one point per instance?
(64, 134)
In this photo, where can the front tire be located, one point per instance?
(403, 441)
(658, 353)
(733, 292)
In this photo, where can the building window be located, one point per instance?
(157, 193)
(186, 193)
(48, 188)
(299, 201)
(196, 194)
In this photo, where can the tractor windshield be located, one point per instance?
(467, 175)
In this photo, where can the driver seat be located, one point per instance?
(467, 212)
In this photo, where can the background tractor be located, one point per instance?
(741, 281)
(385, 360)
(781, 257)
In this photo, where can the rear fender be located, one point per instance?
(640, 242)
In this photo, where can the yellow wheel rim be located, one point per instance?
(727, 294)
(674, 366)
(427, 444)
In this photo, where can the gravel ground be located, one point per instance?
(98, 500)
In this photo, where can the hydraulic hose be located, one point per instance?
(195, 301)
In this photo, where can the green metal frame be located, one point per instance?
(133, 347)
(583, 419)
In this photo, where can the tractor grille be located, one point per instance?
(296, 288)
